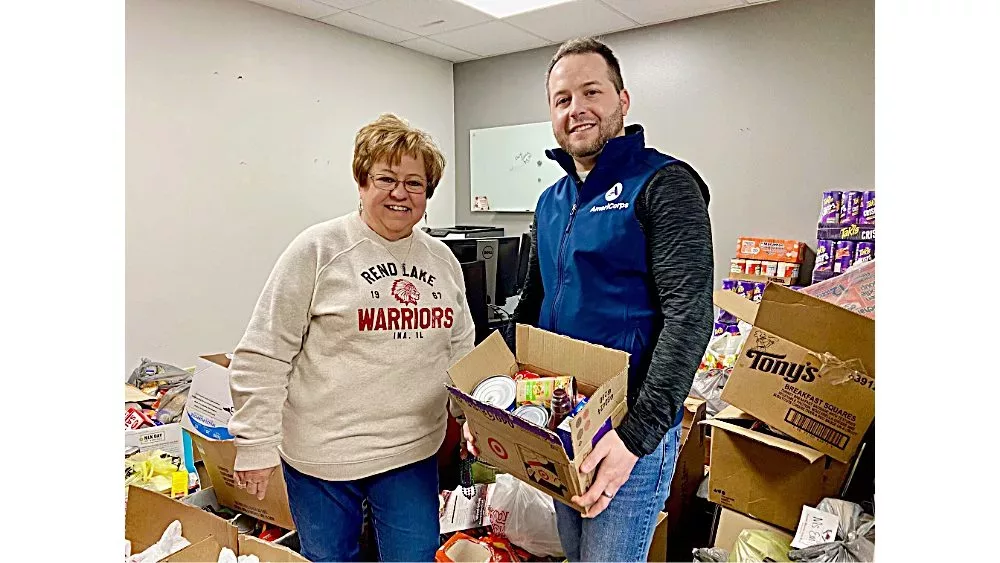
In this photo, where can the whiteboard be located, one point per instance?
(508, 166)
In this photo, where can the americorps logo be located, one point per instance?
(614, 193)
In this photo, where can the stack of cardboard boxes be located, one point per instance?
(787, 262)
(802, 397)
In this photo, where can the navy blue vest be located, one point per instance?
(593, 254)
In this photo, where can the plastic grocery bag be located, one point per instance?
(716, 365)
(170, 542)
(710, 554)
(151, 470)
(228, 556)
(525, 516)
(757, 546)
(855, 536)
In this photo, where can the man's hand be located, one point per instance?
(470, 440)
(254, 481)
(616, 464)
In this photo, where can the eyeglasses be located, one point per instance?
(388, 183)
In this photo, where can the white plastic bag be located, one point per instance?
(525, 516)
(170, 542)
(228, 556)
(716, 365)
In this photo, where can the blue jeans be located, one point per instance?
(624, 531)
(404, 505)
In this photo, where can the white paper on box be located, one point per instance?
(815, 527)
(457, 512)
(209, 404)
(167, 437)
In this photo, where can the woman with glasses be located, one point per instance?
(340, 376)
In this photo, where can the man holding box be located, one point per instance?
(621, 256)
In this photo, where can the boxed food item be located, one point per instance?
(853, 290)
(771, 249)
(807, 369)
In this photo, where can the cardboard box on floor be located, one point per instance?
(530, 453)
(807, 369)
(689, 472)
(219, 457)
(658, 547)
(765, 476)
(148, 514)
(731, 523)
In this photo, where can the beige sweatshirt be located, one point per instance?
(342, 369)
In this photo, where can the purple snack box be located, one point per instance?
(726, 317)
(864, 252)
(843, 256)
(758, 291)
(720, 328)
(733, 329)
(868, 208)
(745, 288)
(850, 208)
(728, 285)
(830, 210)
(824, 256)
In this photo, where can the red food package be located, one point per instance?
(525, 374)
(135, 419)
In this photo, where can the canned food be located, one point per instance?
(535, 414)
(497, 391)
(539, 391)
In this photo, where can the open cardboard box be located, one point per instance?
(765, 476)
(807, 369)
(732, 523)
(206, 416)
(148, 514)
(219, 457)
(532, 454)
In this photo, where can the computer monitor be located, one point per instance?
(507, 266)
(463, 248)
(522, 261)
(474, 274)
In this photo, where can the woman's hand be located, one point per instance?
(470, 440)
(254, 481)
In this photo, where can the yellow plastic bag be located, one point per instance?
(150, 470)
(757, 546)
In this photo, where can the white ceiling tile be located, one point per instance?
(655, 11)
(423, 17)
(346, 4)
(488, 39)
(439, 50)
(573, 19)
(305, 8)
(365, 26)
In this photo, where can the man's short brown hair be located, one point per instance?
(583, 46)
(388, 138)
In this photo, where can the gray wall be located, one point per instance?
(772, 104)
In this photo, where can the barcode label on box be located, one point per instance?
(816, 428)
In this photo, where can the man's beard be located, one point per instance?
(607, 130)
